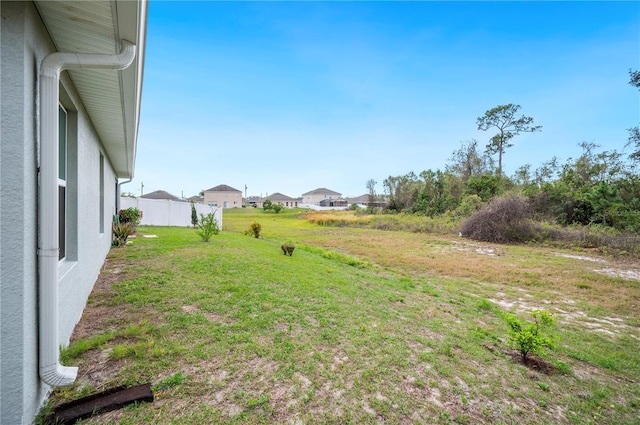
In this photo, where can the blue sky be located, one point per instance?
(292, 96)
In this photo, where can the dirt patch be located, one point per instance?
(96, 368)
(621, 273)
(534, 363)
(615, 271)
(97, 319)
(581, 257)
(213, 317)
(486, 250)
(567, 314)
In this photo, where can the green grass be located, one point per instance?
(358, 326)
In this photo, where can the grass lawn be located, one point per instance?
(358, 326)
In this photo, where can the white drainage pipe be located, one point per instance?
(51, 371)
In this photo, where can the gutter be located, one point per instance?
(51, 371)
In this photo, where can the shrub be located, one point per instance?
(287, 248)
(130, 215)
(194, 215)
(504, 219)
(254, 229)
(277, 208)
(207, 227)
(528, 337)
(267, 205)
(468, 205)
(120, 232)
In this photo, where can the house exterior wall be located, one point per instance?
(20, 391)
(315, 198)
(226, 199)
(285, 202)
(24, 43)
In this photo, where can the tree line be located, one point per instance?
(600, 187)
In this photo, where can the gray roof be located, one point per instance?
(364, 199)
(161, 194)
(278, 197)
(223, 188)
(359, 199)
(322, 191)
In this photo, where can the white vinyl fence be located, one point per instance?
(161, 212)
(319, 208)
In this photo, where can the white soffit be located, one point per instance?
(111, 98)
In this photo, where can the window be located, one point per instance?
(67, 181)
(101, 212)
(62, 182)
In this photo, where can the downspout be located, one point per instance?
(51, 371)
(119, 191)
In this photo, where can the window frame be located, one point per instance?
(63, 141)
(102, 194)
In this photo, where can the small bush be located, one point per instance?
(207, 227)
(267, 205)
(287, 248)
(120, 232)
(130, 215)
(277, 208)
(528, 338)
(505, 219)
(254, 229)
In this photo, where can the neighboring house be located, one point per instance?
(340, 202)
(360, 200)
(377, 201)
(253, 201)
(279, 198)
(161, 194)
(315, 196)
(196, 199)
(223, 196)
(71, 83)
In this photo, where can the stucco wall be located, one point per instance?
(315, 198)
(234, 199)
(76, 277)
(24, 43)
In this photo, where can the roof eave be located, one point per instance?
(131, 18)
(113, 106)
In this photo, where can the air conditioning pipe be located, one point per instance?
(51, 371)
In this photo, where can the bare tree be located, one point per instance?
(634, 132)
(467, 161)
(371, 187)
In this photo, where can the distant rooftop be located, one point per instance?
(223, 188)
(196, 199)
(322, 191)
(161, 194)
(279, 197)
